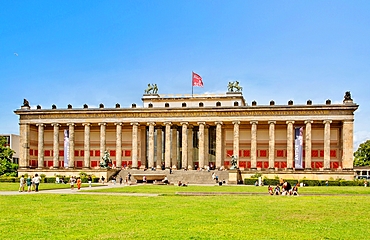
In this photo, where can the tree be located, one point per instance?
(7, 167)
(362, 155)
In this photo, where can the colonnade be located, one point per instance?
(186, 142)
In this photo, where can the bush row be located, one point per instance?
(266, 181)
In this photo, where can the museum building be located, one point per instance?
(191, 132)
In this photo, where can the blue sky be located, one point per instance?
(77, 52)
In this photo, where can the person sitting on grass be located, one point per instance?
(277, 189)
(295, 190)
(270, 190)
(165, 180)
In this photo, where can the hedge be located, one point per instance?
(266, 181)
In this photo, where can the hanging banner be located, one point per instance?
(298, 156)
(66, 148)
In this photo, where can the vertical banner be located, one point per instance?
(66, 148)
(298, 156)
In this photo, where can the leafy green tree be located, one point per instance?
(362, 155)
(7, 167)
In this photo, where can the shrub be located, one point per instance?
(250, 181)
(8, 179)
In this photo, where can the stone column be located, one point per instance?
(86, 145)
(167, 154)
(184, 143)
(236, 141)
(151, 145)
(271, 144)
(71, 153)
(218, 144)
(55, 145)
(347, 158)
(174, 146)
(119, 144)
(102, 138)
(159, 147)
(135, 138)
(24, 150)
(290, 148)
(190, 146)
(327, 144)
(40, 145)
(254, 144)
(201, 144)
(308, 145)
(206, 145)
(143, 143)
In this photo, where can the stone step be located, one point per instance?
(190, 176)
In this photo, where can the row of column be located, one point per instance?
(186, 141)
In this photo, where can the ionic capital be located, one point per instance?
(236, 122)
(308, 122)
(102, 124)
(327, 121)
(184, 123)
(135, 124)
(150, 123)
(289, 122)
(118, 123)
(253, 122)
(218, 123)
(55, 124)
(271, 122)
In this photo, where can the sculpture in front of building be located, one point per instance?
(151, 89)
(234, 162)
(234, 87)
(104, 163)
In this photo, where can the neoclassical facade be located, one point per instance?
(191, 132)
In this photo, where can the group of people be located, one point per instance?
(73, 180)
(284, 188)
(32, 183)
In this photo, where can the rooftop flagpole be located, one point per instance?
(192, 83)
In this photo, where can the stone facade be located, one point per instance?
(190, 132)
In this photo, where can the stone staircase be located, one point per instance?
(190, 176)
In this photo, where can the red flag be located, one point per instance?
(197, 80)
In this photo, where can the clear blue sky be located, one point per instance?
(77, 52)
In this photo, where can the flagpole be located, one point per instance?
(192, 86)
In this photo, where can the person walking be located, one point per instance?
(89, 180)
(29, 182)
(36, 180)
(72, 182)
(78, 183)
(21, 184)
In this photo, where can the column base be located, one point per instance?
(326, 169)
(271, 169)
(308, 169)
(254, 169)
(290, 169)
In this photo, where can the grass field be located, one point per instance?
(169, 216)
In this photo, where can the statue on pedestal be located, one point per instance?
(234, 162)
(151, 89)
(104, 163)
(234, 87)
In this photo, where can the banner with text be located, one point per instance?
(298, 156)
(66, 148)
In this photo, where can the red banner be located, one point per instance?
(197, 80)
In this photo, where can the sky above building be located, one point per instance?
(77, 52)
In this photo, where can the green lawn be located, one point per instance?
(171, 189)
(170, 216)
